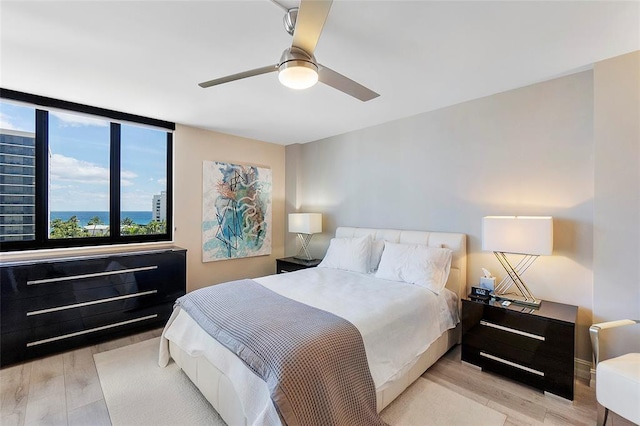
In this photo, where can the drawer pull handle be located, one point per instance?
(96, 274)
(512, 364)
(513, 330)
(92, 302)
(91, 330)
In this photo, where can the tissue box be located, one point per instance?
(488, 283)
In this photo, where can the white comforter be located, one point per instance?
(397, 321)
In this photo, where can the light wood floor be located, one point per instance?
(521, 404)
(64, 389)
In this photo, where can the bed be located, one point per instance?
(399, 348)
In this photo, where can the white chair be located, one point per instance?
(617, 379)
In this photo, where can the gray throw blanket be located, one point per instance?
(313, 362)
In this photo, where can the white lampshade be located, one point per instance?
(518, 234)
(298, 74)
(305, 223)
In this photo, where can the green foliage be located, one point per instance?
(72, 229)
(67, 229)
(153, 227)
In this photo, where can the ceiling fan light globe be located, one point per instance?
(298, 75)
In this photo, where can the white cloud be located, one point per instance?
(136, 200)
(78, 199)
(77, 120)
(71, 169)
(5, 122)
(162, 181)
(54, 186)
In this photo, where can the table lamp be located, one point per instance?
(530, 236)
(305, 225)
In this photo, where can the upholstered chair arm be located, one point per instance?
(595, 329)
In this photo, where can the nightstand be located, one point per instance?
(532, 346)
(290, 264)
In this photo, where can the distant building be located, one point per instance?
(17, 185)
(159, 207)
(97, 230)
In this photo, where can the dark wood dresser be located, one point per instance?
(533, 346)
(56, 304)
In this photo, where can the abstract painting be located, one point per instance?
(236, 211)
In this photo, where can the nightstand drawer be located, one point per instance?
(549, 343)
(523, 351)
(289, 267)
(291, 264)
(555, 334)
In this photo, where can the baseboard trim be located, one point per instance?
(583, 370)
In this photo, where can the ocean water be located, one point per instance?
(140, 218)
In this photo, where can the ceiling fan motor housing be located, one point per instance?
(294, 54)
(297, 69)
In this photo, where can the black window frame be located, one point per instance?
(42, 240)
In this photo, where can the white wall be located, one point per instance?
(616, 266)
(524, 152)
(192, 147)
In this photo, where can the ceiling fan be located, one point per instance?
(297, 67)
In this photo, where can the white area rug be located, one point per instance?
(428, 403)
(138, 392)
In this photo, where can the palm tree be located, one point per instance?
(95, 221)
(67, 229)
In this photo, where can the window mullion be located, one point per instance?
(114, 172)
(169, 189)
(42, 178)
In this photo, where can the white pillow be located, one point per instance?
(416, 264)
(350, 254)
(377, 247)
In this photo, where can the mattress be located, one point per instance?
(397, 321)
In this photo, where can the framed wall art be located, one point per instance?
(236, 211)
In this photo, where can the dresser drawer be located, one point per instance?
(53, 337)
(53, 278)
(33, 312)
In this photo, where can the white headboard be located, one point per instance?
(457, 243)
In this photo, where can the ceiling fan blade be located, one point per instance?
(344, 84)
(240, 75)
(312, 15)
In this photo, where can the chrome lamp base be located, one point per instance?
(512, 278)
(304, 254)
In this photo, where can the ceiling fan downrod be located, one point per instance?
(289, 20)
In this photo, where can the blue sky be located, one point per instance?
(79, 161)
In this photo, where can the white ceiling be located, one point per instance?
(146, 57)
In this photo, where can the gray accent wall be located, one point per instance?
(528, 151)
(616, 265)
